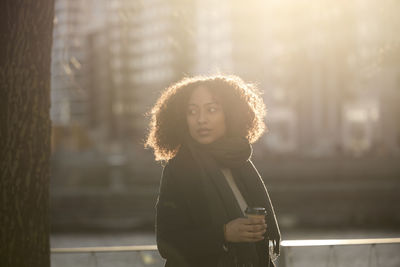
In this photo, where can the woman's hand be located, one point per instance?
(245, 230)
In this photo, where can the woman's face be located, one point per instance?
(205, 117)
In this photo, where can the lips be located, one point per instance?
(203, 131)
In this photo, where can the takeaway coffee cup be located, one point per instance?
(255, 212)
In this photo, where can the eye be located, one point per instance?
(191, 111)
(212, 109)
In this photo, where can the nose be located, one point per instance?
(201, 119)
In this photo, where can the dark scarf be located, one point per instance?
(233, 153)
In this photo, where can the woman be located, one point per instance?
(203, 127)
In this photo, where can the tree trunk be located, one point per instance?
(25, 52)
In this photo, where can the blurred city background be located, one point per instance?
(330, 76)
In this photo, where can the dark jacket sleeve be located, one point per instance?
(179, 238)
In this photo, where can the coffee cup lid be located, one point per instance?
(256, 210)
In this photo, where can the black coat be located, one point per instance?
(185, 234)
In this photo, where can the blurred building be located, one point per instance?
(378, 57)
(320, 67)
(68, 98)
(213, 37)
(328, 70)
(149, 45)
(141, 60)
(100, 122)
(324, 93)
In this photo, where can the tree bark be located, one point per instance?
(25, 53)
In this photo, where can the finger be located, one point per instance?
(253, 227)
(260, 232)
(253, 220)
(243, 221)
(261, 227)
(253, 235)
(247, 228)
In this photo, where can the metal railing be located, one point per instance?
(286, 258)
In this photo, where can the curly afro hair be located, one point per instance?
(241, 102)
